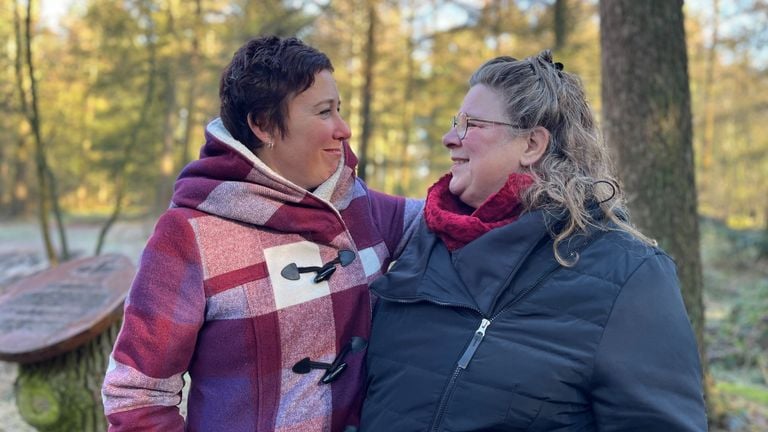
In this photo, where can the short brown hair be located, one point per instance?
(260, 80)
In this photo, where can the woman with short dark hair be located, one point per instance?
(527, 300)
(255, 281)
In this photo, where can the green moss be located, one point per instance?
(62, 394)
(748, 392)
(38, 403)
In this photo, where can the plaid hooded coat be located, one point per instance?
(209, 298)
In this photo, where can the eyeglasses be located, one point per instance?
(462, 122)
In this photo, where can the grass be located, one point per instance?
(752, 393)
(736, 302)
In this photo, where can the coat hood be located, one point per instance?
(229, 181)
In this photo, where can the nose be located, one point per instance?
(342, 131)
(451, 138)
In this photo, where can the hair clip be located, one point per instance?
(613, 186)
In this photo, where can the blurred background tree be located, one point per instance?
(128, 85)
(102, 63)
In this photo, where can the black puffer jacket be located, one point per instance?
(499, 337)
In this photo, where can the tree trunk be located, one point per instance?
(30, 113)
(762, 248)
(403, 184)
(170, 72)
(647, 117)
(20, 204)
(64, 394)
(494, 11)
(367, 92)
(5, 183)
(194, 66)
(167, 160)
(560, 18)
(53, 193)
(120, 174)
(707, 143)
(48, 187)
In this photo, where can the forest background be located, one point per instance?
(103, 101)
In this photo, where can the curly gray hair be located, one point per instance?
(575, 172)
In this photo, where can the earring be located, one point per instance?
(270, 144)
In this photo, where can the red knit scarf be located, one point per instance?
(458, 224)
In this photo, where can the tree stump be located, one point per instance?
(63, 394)
(60, 325)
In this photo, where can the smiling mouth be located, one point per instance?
(457, 161)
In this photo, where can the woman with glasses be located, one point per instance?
(527, 300)
(255, 281)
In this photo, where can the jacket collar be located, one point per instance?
(488, 265)
(471, 277)
(493, 271)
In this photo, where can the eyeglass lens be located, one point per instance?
(460, 124)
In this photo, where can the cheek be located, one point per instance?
(491, 169)
(481, 165)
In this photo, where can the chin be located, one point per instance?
(320, 180)
(455, 189)
(469, 198)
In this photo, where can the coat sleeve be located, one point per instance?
(647, 372)
(163, 314)
(396, 217)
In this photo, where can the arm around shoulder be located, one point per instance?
(647, 374)
(397, 218)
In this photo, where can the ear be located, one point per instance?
(262, 134)
(536, 146)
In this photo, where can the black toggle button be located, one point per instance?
(293, 272)
(332, 370)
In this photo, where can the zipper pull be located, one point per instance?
(476, 339)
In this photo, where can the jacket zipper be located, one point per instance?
(473, 344)
(447, 393)
(469, 352)
(476, 339)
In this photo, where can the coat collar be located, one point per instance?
(229, 181)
